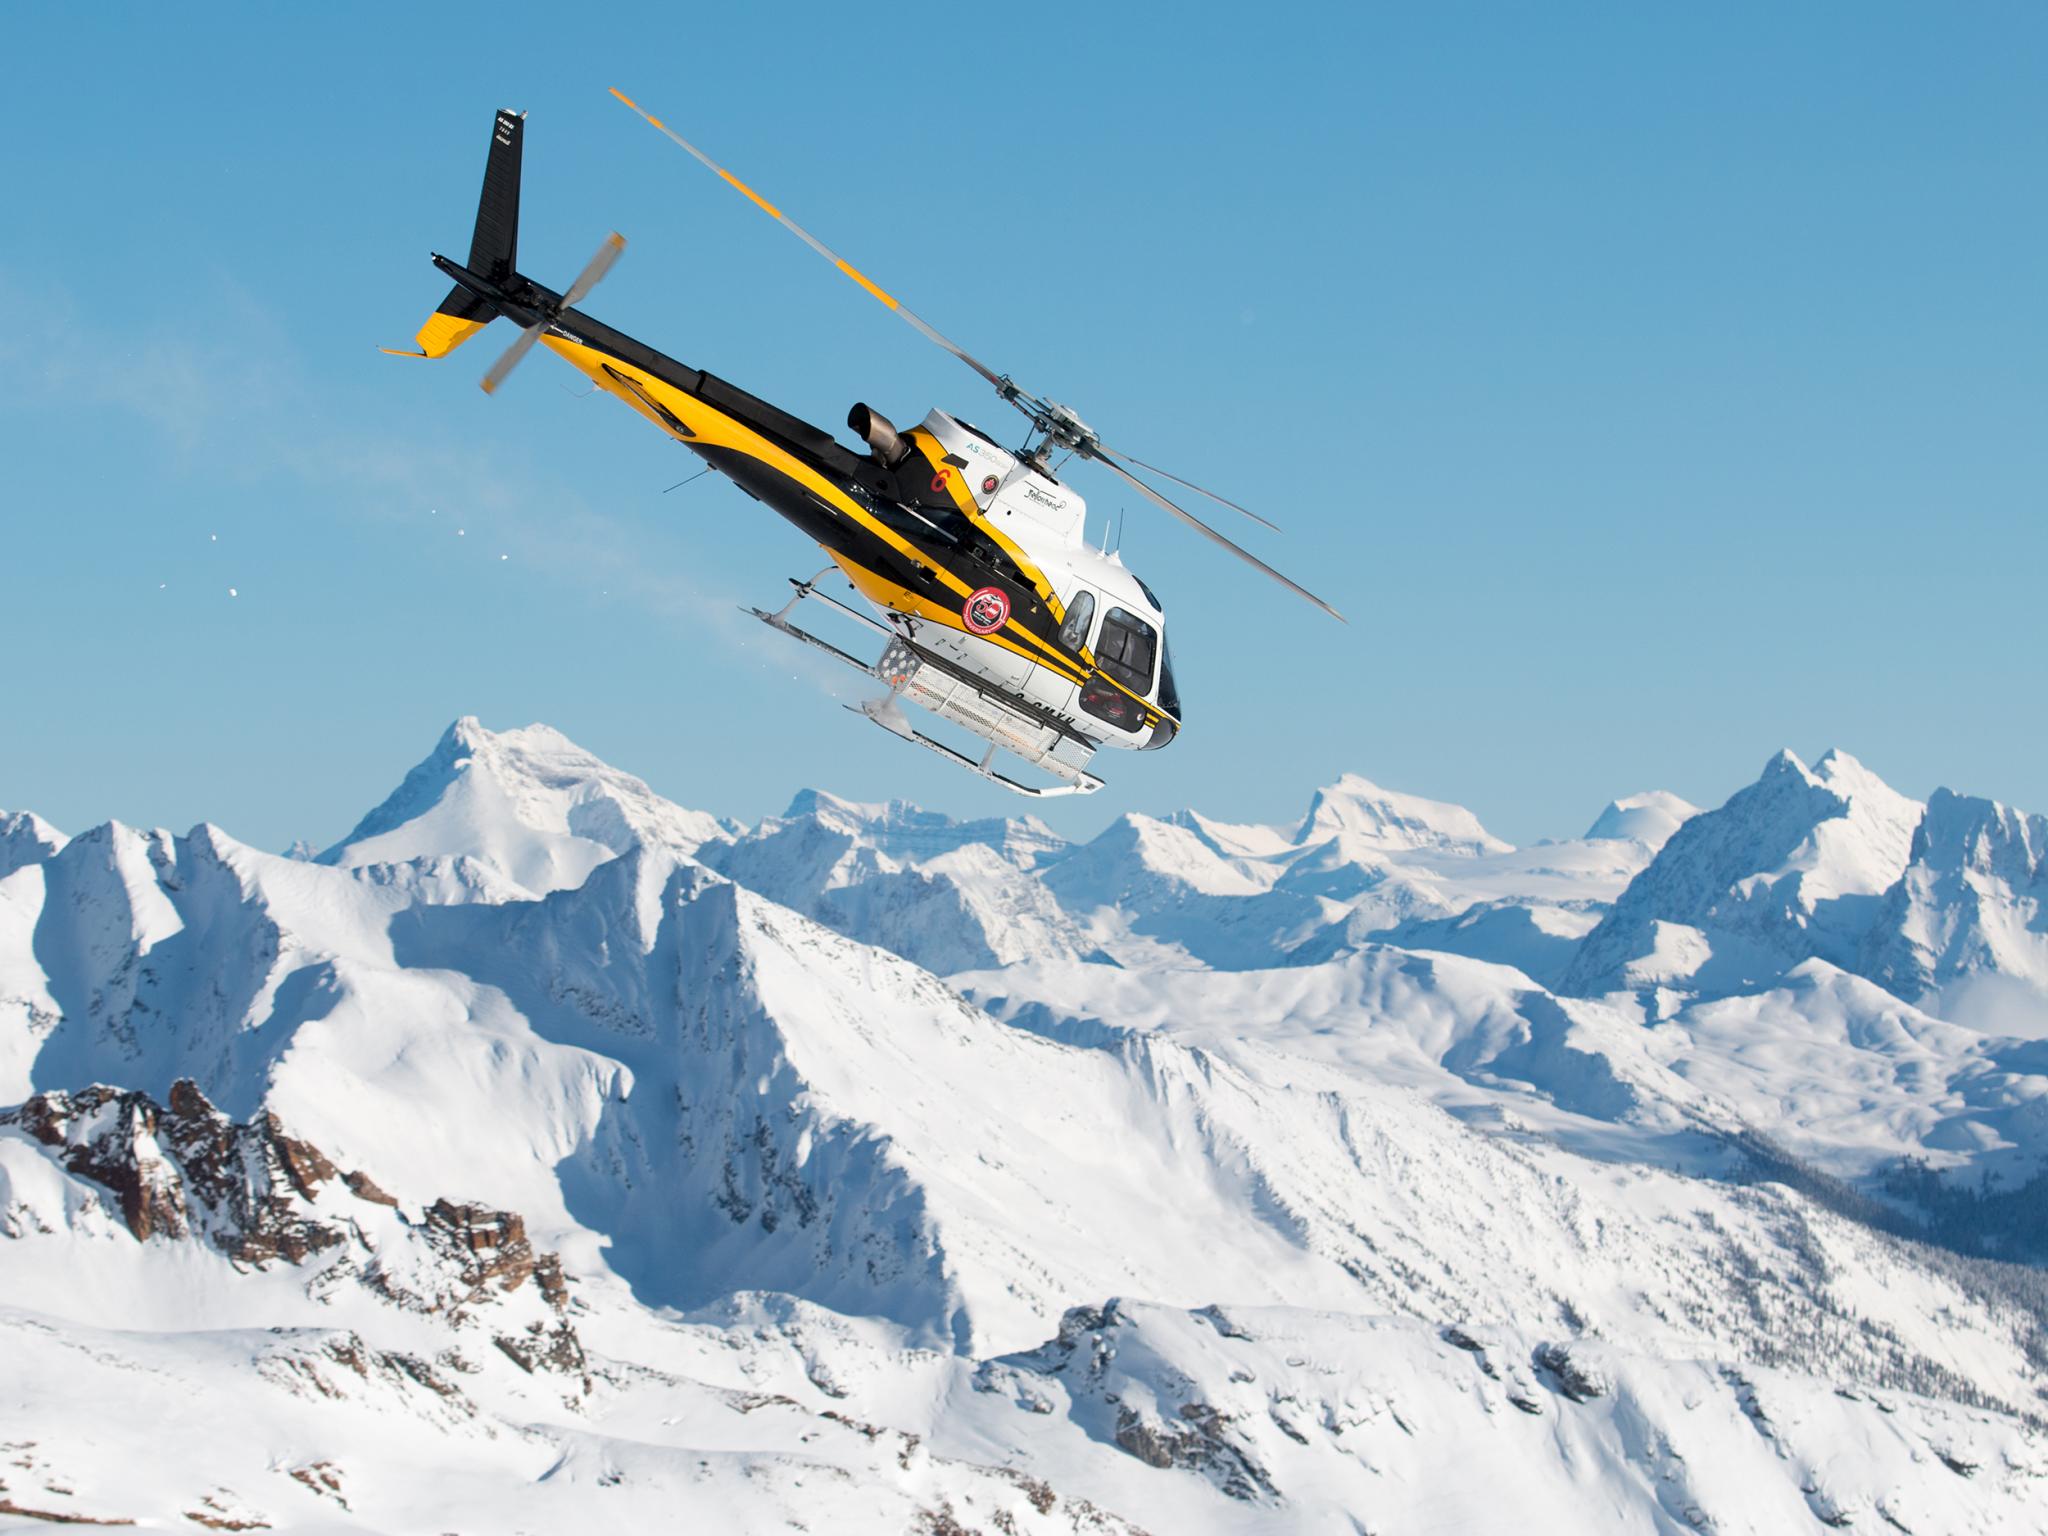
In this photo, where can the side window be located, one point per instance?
(1080, 615)
(1127, 649)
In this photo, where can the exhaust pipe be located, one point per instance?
(880, 434)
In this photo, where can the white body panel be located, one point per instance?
(1029, 507)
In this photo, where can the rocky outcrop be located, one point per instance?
(491, 1246)
(185, 1171)
(1164, 1421)
(1200, 1442)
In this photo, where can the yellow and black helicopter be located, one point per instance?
(998, 614)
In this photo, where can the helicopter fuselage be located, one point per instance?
(976, 557)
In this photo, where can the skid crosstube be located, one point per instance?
(887, 713)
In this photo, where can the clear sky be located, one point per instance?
(1653, 385)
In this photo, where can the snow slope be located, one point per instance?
(833, 1241)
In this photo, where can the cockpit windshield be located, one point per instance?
(1169, 694)
(1127, 649)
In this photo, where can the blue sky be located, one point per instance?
(1653, 386)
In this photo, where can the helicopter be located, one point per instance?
(995, 611)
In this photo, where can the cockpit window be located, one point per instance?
(1169, 695)
(1150, 596)
(1080, 615)
(1126, 650)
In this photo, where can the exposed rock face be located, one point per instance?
(1170, 1425)
(185, 1170)
(1578, 1378)
(491, 1246)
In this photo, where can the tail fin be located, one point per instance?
(493, 249)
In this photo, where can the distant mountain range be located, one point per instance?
(547, 1153)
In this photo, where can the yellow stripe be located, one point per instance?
(760, 202)
(713, 428)
(629, 101)
(880, 589)
(857, 276)
(717, 430)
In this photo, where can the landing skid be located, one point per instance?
(897, 668)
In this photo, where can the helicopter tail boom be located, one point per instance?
(493, 247)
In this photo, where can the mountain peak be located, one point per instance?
(1791, 867)
(25, 838)
(1786, 764)
(819, 802)
(1648, 818)
(530, 802)
(1356, 807)
(1966, 929)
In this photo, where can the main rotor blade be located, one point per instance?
(888, 300)
(521, 345)
(595, 269)
(1168, 474)
(1216, 538)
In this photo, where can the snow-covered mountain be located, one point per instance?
(1236, 1178)
(1356, 809)
(1792, 868)
(1649, 818)
(951, 896)
(530, 805)
(1967, 924)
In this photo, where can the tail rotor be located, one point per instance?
(591, 275)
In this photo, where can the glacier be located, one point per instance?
(544, 1152)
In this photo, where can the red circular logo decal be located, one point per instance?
(986, 610)
(988, 485)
